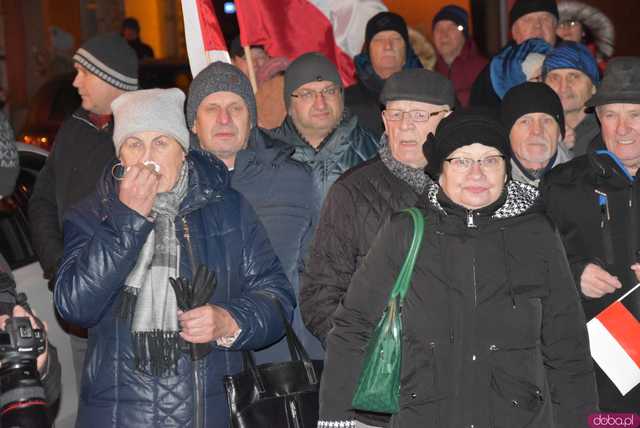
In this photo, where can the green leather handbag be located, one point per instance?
(378, 388)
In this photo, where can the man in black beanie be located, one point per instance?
(386, 50)
(532, 114)
(529, 19)
(323, 134)
(106, 67)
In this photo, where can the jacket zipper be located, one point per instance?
(471, 223)
(197, 380)
(475, 284)
(605, 230)
(633, 226)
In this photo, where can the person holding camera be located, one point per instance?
(27, 390)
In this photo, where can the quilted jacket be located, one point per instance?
(347, 146)
(103, 238)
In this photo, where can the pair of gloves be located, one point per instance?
(193, 294)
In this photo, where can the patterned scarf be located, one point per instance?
(414, 177)
(520, 197)
(148, 300)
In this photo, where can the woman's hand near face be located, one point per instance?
(139, 188)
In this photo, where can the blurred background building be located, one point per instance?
(38, 38)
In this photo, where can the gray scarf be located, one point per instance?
(414, 177)
(148, 300)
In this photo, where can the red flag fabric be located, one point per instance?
(205, 42)
(290, 28)
(614, 338)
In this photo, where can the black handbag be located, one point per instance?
(276, 394)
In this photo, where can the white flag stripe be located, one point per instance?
(198, 57)
(612, 358)
(214, 56)
(349, 20)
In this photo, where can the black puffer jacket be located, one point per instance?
(355, 209)
(607, 235)
(493, 334)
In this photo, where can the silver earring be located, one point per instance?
(118, 170)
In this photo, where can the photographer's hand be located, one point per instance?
(18, 311)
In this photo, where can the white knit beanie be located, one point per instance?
(159, 110)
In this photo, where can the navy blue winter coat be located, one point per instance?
(281, 191)
(103, 239)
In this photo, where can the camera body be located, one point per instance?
(20, 342)
(22, 399)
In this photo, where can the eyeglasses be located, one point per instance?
(489, 163)
(310, 95)
(395, 115)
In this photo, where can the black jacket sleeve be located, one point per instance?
(482, 92)
(331, 261)
(565, 345)
(43, 215)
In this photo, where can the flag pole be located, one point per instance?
(252, 73)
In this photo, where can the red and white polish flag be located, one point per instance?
(290, 28)
(614, 336)
(204, 39)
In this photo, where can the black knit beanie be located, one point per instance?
(523, 7)
(110, 57)
(531, 97)
(309, 67)
(461, 128)
(385, 21)
(454, 14)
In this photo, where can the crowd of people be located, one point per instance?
(290, 200)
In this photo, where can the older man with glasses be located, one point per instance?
(321, 132)
(360, 202)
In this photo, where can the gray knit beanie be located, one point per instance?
(110, 57)
(309, 67)
(220, 77)
(160, 110)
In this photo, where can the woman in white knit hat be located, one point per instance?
(156, 356)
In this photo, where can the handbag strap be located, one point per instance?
(403, 281)
(296, 350)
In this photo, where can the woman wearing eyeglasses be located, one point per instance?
(493, 332)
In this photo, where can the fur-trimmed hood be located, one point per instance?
(597, 24)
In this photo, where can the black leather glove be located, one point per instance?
(191, 295)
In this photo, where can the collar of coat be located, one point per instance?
(607, 166)
(332, 142)
(263, 150)
(519, 199)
